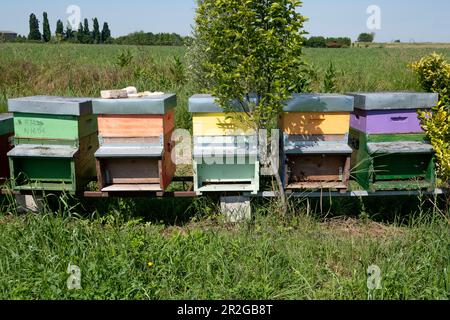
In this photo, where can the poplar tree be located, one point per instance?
(96, 32)
(106, 33)
(47, 35)
(34, 34)
(59, 30)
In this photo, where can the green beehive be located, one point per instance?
(390, 149)
(225, 157)
(55, 140)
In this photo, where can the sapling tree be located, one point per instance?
(254, 57)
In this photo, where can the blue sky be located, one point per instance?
(412, 20)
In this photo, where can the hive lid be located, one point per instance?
(412, 147)
(40, 151)
(317, 102)
(146, 105)
(319, 148)
(144, 151)
(206, 103)
(51, 105)
(6, 123)
(394, 100)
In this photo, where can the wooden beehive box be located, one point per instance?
(225, 151)
(6, 134)
(390, 147)
(55, 140)
(315, 141)
(135, 143)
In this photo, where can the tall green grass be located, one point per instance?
(302, 257)
(84, 70)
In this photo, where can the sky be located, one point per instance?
(408, 21)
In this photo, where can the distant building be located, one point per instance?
(7, 35)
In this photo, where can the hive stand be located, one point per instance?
(225, 153)
(135, 143)
(390, 147)
(55, 140)
(6, 135)
(316, 154)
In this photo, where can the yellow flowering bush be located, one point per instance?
(434, 75)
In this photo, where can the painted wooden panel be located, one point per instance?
(35, 126)
(226, 173)
(218, 124)
(56, 174)
(316, 168)
(401, 167)
(168, 166)
(53, 127)
(131, 171)
(132, 126)
(297, 123)
(386, 121)
(222, 178)
(5, 146)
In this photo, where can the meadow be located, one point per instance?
(182, 248)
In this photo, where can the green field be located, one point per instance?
(321, 252)
(84, 70)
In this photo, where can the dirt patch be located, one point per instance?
(345, 226)
(211, 224)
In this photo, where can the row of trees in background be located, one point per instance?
(150, 39)
(95, 36)
(322, 42)
(82, 35)
(342, 42)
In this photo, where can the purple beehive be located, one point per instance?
(390, 113)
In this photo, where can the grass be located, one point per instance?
(315, 254)
(303, 257)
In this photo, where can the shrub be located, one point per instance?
(434, 76)
(366, 37)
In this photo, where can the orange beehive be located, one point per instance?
(135, 143)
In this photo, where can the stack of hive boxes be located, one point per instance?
(316, 152)
(225, 150)
(135, 143)
(6, 134)
(390, 150)
(55, 141)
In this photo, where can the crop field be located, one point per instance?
(182, 248)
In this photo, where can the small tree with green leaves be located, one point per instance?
(254, 57)
(46, 35)
(34, 34)
(366, 37)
